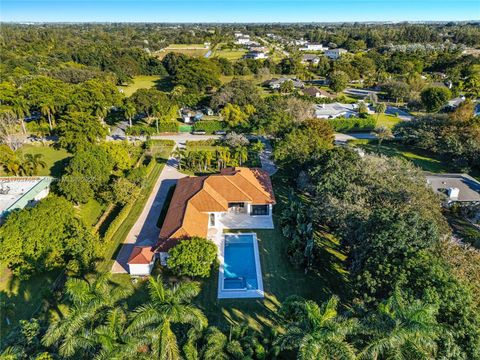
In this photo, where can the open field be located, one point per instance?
(142, 82)
(195, 50)
(232, 55)
(388, 121)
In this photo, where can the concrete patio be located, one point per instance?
(245, 221)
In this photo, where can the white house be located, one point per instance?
(21, 192)
(313, 47)
(335, 110)
(310, 59)
(243, 40)
(455, 188)
(256, 55)
(334, 54)
(141, 261)
(276, 83)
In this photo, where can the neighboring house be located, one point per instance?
(256, 55)
(201, 206)
(335, 110)
(141, 261)
(454, 103)
(189, 116)
(276, 83)
(317, 93)
(310, 59)
(243, 40)
(313, 47)
(298, 42)
(456, 188)
(20, 192)
(334, 54)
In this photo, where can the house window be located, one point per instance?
(212, 219)
(236, 205)
(260, 210)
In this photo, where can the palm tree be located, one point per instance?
(382, 133)
(91, 301)
(317, 331)
(114, 339)
(15, 167)
(129, 111)
(179, 155)
(32, 162)
(47, 108)
(380, 108)
(401, 330)
(167, 306)
(241, 154)
(21, 110)
(223, 157)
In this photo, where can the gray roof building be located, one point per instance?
(455, 187)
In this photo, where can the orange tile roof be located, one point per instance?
(195, 197)
(141, 255)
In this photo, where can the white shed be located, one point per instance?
(141, 261)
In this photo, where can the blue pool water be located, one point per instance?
(239, 263)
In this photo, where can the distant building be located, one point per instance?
(335, 110)
(455, 188)
(310, 59)
(20, 192)
(317, 93)
(276, 83)
(454, 103)
(256, 55)
(313, 47)
(334, 54)
(243, 40)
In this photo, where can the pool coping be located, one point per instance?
(240, 294)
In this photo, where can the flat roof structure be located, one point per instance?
(18, 192)
(468, 187)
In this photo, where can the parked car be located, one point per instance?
(199, 132)
(220, 132)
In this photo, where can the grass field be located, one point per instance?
(90, 212)
(388, 121)
(55, 159)
(142, 82)
(232, 55)
(420, 158)
(195, 50)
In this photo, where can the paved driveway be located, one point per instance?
(145, 230)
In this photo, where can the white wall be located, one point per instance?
(141, 269)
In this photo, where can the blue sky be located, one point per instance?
(238, 10)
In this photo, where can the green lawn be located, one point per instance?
(90, 212)
(388, 121)
(232, 55)
(419, 157)
(142, 82)
(55, 159)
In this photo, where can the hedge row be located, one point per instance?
(353, 124)
(209, 126)
(166, 126)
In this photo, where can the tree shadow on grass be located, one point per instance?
(58, 167)
(164, 84)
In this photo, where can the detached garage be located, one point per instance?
(141, 261)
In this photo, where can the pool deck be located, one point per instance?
(219, 239)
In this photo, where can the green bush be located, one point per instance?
(353, 124)
(210, 126)
(137, 130)
(168, 126)
(119, 219)
(192, 257)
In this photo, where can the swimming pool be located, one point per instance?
(240, 273)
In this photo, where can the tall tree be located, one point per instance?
(167, 306)
(318, 332)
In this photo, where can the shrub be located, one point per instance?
(193, 257)
(168, 126)
(353, 124)
(210, 126)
